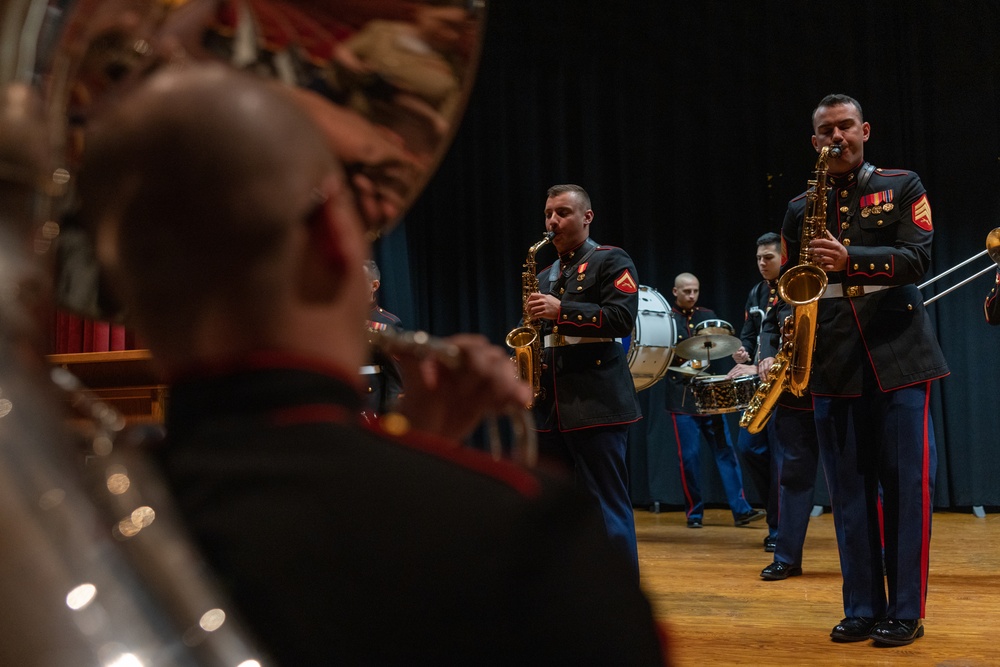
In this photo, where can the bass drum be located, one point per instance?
(651, 346)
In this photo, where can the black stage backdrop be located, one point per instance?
(688, 123)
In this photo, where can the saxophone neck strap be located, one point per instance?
(864, 176)
(588, 248)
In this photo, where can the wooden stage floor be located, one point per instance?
(705, 585)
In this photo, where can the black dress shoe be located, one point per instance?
(752, 515)
(777, 571)
(853, 629)
(694, 523)
(897, 631)
(770, 542)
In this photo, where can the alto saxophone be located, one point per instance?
(801, 287)
(526, 340)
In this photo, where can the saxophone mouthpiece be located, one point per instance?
(835, 151)
(548, 235)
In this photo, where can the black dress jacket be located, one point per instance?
(589, 384)
(341, 544)
(888, 230)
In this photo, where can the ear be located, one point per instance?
(335, 242)
(866, 131)
(815, 143)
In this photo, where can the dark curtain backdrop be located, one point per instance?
(688, 123)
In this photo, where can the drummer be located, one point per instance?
(691, 320)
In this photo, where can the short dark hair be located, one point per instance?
(838, 99)
(770, 238)
(569, 187)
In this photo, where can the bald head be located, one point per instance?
(195, 186)
(686, 290)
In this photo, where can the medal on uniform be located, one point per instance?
(866, 211)
(888, 206)
(877, 210)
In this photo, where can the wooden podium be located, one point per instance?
(124, 380)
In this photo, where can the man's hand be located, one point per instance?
(763, 366)
(741, 369)
(543, 306)
(829, 253)
(451, 399)
(741, 356)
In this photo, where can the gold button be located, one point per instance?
(593, 319)
(565, 316)
(562, 290)
(847, 241)
(555, 329)
(843, 193)
(371, 389)
(845, 225)
(844, 209)
(878, 224)
(871, 267)
(598, 362)
(886, 267)
(579, 287)
(855, 267)
(579, 318)
(909, 306)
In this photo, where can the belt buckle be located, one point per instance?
(854, 291)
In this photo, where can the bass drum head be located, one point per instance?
(652, 342)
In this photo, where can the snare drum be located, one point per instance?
(719, 327)
(652, 344)
(717, 394)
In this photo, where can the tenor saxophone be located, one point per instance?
(526, 340)
(801, 287)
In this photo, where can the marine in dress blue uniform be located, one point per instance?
(689, 426)
(760, 454)
(291, 498)
(382, 377)
(991, 307)
(586, 302)
(875, 356)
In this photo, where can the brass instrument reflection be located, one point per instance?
(388, 90)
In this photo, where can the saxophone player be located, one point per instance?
(875, 357)
(586, 300)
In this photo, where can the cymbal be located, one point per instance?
(704, 346)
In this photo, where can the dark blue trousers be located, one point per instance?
(597, 458)
(880, 440)
(760, 454)
(688, 430)
(797, 452)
